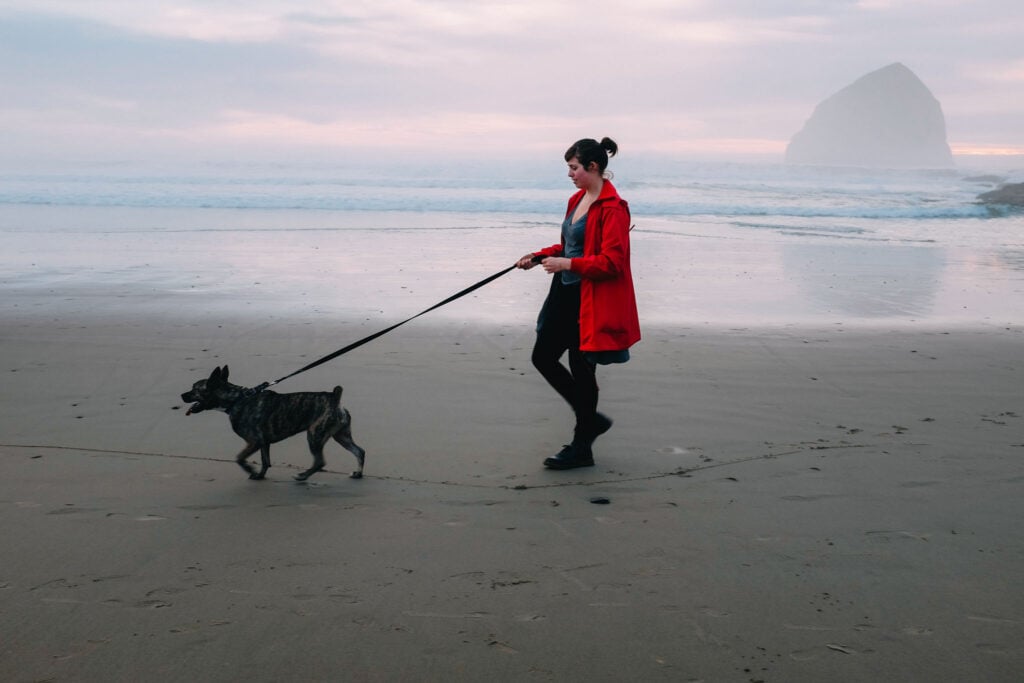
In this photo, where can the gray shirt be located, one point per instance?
(573, 234)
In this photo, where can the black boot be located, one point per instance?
(570, 457)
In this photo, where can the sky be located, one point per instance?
(287, 80)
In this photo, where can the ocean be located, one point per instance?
(713, 243)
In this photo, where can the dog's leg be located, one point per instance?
(243, 455)
(264, 461)
(344, 437)
(317, 439)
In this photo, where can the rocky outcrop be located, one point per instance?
(1011, 194)
(887, 118)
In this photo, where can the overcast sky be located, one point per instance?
(322, 79)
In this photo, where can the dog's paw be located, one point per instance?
(301, 476)
(255, 476)
(356, 475)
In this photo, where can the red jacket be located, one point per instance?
(608, 314)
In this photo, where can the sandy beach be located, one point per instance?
(774, 503)
(815, 472)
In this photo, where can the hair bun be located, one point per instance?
(590, 151)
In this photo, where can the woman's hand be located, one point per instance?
(556, 264)
(526, 262)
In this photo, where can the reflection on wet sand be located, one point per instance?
(866, 281)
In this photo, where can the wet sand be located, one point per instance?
(784, 503)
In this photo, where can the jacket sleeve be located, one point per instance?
(553, 250)
(610, 257)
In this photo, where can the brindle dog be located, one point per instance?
(266, 417)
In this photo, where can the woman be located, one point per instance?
(590, 310)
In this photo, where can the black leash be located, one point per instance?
(365, 340)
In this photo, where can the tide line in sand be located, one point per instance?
(679, 472)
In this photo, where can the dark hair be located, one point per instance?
(589, 150)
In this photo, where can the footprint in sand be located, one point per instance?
(72, 511)
(607, 520)
(152, 604)
(111, 577)
(990, 619)
(916, 631)
(992, 648)
(502, 647)
(845, 649)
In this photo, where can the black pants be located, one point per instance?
(558, 332)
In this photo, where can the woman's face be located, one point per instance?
(581, 177)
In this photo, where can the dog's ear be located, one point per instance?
(225, 375)
(216, 376)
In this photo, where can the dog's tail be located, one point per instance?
(336, 398)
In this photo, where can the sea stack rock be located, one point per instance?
(887, 118)
(1010, 194)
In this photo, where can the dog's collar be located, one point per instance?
(247, 393)
(252, 391)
